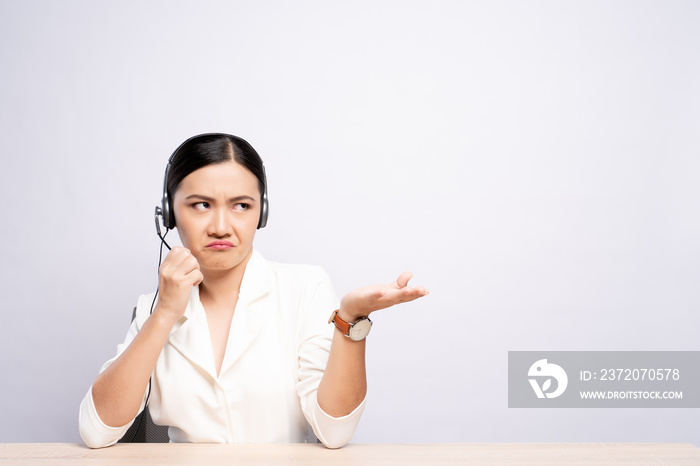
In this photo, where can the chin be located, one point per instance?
(222, 260)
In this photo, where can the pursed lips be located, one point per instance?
(220, 245)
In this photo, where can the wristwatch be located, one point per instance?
(355, 331)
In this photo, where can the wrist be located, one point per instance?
(356, 329)
(164, 316)
(350, 313)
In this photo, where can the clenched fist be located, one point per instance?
(179, 272)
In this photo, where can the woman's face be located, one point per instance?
(217, 209)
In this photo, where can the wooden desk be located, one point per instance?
(573, 454)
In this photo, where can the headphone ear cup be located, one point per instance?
(264, 211)
(168, 216)
(265, 205)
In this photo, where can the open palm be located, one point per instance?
(362, 301)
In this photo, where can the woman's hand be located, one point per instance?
(179, 272)
(362, 301)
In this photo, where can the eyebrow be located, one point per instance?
(212, 200)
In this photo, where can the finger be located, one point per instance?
(190, 264)
(403, 279)
(196, 277)
(403, 295)
(183, 257)
(421, 290)
(418, 293)
(409, 294)
(175, 257)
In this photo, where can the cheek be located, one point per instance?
(245, 229)
(187, 230)
(247, 232)
(182, 233)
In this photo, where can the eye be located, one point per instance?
(241, 206)
(200, 206)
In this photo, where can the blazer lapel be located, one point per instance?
(190, 336)
(252, 310)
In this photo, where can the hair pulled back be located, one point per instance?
(212, 148)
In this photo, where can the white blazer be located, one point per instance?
(275, 357)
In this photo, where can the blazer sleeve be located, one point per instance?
(94, 432)
(315, 338)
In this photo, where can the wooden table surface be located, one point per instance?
(354, 454)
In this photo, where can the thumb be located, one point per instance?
(403, 279)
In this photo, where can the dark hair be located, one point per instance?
(211, 148)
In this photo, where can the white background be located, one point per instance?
(536, 164)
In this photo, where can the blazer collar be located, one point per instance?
(256, 278)
(190, 336)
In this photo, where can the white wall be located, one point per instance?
(535, 163)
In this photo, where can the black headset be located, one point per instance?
(165, 212)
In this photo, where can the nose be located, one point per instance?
(220, 225)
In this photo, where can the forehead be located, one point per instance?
(227, 179)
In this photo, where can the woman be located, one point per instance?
(236, 348)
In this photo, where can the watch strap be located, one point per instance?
(340, 324)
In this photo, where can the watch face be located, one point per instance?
(360, 329)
